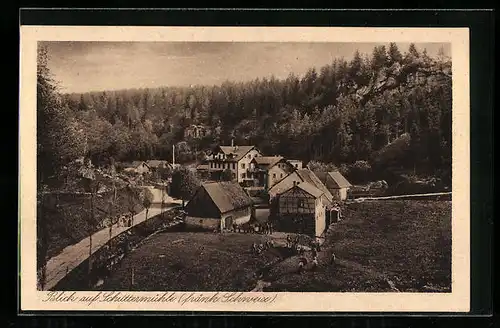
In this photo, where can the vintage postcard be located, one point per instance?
(281, 169)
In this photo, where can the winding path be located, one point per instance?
(72, 256)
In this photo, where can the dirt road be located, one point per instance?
(73, 255)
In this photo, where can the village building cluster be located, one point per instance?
(298, 200)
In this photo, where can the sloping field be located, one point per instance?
(406, 244)
(380, 246)
(192, 261)
(407, 240)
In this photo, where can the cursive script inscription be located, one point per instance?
(61, 297)
(165, 297)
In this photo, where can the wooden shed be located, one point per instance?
(301, 209)
(217, 205)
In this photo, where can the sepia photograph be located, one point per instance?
(242, 167)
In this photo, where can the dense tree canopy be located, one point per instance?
(340, 113)
(59, 137)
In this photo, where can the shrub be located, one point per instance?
(227, 175)
(318, 166)
(360, 172)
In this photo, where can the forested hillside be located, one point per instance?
(340, 113)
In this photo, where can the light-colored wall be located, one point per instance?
(320, 217)
(339, 194)
(236, 168)
(335, 193)
(343, 194)
(207, 223)
(246, 162)
(243, 219)
(213, 223)
(280, 174)
(142, 169)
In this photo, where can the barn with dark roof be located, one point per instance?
(219, 205)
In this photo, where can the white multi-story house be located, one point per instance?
(235, 158)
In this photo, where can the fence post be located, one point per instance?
(132, 276)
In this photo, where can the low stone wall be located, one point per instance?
(109, 256)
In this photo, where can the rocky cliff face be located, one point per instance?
(417, 72)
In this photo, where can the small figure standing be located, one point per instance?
(301, 266)
(333, 259)
(315, 262)
(254, 247)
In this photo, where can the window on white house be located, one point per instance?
(243, 175)
(242, 165)
(274, 175)
(234, 166)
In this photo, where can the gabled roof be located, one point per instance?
(333, 180)
(137, 163)
(268, 161)
(157, 163)
(341, 181)
(302, 175)
(310, 189)
(238, 152)
(309, 176)
(227, 196)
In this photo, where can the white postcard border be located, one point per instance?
(456, 301)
